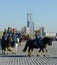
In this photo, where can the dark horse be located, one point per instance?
(37, 43)
(5, 44)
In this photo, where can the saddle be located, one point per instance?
(38, 42)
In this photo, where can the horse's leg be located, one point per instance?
(39, 52)
(3, 49)
(20, 41)
(32, 53)
(5, 52)
(5, 46)
(46, 51)
(29, 53)
(25, 48)
(43, 51)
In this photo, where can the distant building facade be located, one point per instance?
(31, 28)
(50, 34)
(42, 31)
(23, 30)
(29, 19)
(30, 23)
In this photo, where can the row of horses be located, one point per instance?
(9, 45)
(31, 44)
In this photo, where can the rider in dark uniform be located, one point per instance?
(9, 31)
(38, 38)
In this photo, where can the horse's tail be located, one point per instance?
(25, 48)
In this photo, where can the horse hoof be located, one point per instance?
(23, 50)
(44, 55)
(38, 55)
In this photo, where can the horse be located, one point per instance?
(37, 44)
(24, 38)
(7, 45)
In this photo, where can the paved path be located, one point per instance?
(28, 61)
(22, 59)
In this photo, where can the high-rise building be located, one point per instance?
(42, 31)
(31, 27)
(23, 30)
(30, 23)
(29, 18)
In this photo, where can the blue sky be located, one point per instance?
(14, 13)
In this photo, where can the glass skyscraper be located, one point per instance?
(30, 23)
(29, 18)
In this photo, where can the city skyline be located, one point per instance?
(14, 13)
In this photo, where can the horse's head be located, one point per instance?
(50, 42)
(47, 40)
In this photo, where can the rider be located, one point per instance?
(19, 34)
(9, 31)
(38, 37)
(5, 35)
